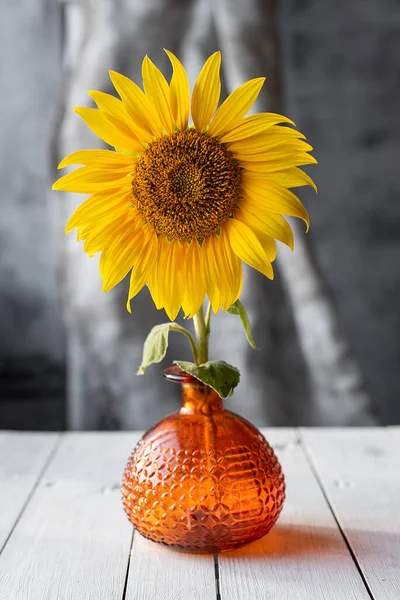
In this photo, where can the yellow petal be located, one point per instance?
(173, 279)
(156, 277)
(158, 93)
(179, 93)
(274, 137)
(121, 127)
(136, 104)
(288, 178)
(98, 123)
(102, 159)
(267, 197)
(86, 180)
(248, 248)
(269, 224)
(233, 109)
(283, 231)
(206, 92)
(195, 286)
(100, 206)
(211, 269)
(279, 152)
(268, 243)
(253, 125)
(120, 254)
(144, 265)
(225, 271)
(111, 106)
(98, 236)
(285, 162)
(156, 274)
(169, 290)
(233, 265)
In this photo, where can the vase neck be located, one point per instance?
(197, 398)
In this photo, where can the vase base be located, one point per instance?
(213, 549)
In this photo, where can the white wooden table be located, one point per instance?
(64, 535)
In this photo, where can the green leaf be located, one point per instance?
(238, 309)
(156, 344)
(217, 374)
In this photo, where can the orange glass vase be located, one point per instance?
(203, 479)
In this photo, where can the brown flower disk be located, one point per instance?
(186, 185)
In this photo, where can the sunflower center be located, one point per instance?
(186, 185)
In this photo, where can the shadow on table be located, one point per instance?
(290, 540)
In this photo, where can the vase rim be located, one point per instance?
(174, 373)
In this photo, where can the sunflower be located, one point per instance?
(182, 206)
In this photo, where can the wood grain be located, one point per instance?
(22, 458)
(360, 471)
(70, 539)
(304, 556)
(160, 573)
(73, 540)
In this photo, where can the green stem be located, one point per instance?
(202, 334)
(208, 317)
(189, 337)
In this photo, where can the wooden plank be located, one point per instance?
(22, 459)
(73, 539)
(160, 573)
(360, 471)
(304, 556)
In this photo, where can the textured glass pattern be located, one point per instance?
(203, 479)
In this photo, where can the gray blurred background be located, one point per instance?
(327, 327)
